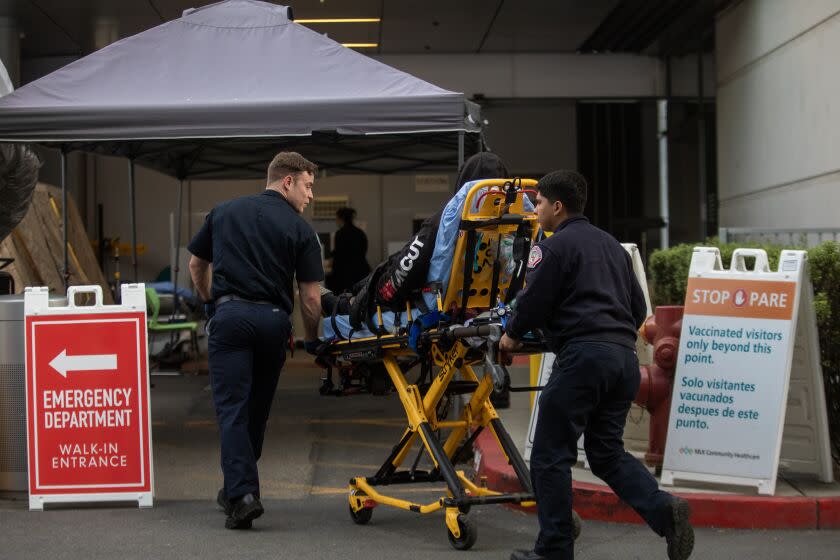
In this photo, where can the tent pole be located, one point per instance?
(460, 150)
(132, 217)
(66, 271)
(177, 265)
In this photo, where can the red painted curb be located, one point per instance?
(829, 513)
(594, 501)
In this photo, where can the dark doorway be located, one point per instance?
(610, 157)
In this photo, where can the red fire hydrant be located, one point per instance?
(663, 331)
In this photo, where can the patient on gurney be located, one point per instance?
(398, 280)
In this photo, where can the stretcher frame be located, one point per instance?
(493, 207)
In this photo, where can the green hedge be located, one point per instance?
(668, 273)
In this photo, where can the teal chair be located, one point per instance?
(174, 328)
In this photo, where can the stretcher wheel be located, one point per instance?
(469, 534)
(577, 523)
(362, 516)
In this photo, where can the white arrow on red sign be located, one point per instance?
(63, 363)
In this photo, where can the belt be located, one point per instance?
(234, 297)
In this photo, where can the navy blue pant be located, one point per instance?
(247, 346)
(591, 388)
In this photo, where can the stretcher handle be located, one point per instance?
(489, 191)
(478, 330)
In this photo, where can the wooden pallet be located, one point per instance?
(36, 244)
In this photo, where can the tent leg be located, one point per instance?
(132, 218)
(460, 150)
(177, 264)
(66, 271)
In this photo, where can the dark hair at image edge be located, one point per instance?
(569, 187)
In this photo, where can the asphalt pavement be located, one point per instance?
(314, 445)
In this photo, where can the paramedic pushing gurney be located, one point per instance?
(582, 292)
(257, 245)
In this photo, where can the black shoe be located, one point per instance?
(520, 554)
(245, 510)
(224, 503)
(680, 535)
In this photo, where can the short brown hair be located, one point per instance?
(288, 163)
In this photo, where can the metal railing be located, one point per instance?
(788, 237)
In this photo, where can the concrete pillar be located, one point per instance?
(777, 120)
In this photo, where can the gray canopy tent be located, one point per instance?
(215, 93)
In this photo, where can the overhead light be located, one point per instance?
(360, 45)
(339, 20)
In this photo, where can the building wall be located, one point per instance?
(555, 75)
(777, 118)
(530, 105)
(386, 206)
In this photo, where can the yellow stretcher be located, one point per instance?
(493, 214)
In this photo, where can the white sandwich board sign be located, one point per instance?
(748, 387)
(87, 403)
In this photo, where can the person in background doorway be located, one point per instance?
(244, 261)
(349, 256)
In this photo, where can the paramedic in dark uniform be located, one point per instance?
(244, 261)
(582, 293)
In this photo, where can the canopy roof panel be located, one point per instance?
(235, 69)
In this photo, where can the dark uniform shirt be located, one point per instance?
(580, 286)
(257, 245)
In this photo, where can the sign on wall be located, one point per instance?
(87, 399)
(748, 343)
(431, 183)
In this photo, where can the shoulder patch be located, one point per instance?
(535, 257)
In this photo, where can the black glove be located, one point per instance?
(209, 309)
(311, 346)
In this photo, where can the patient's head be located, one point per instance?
(483, 165)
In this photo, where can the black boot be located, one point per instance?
(224, 503)
(245, 510)
(680, 535)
